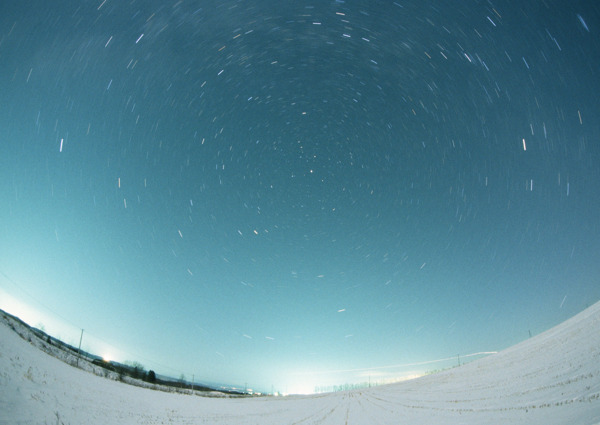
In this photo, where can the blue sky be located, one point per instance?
(267, 194)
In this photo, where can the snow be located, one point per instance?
(553, 378)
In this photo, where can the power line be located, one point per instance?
(94, 337)
(9, 279)
(396, 366)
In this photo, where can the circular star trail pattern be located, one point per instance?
(270, 193)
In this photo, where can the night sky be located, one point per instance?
(283, 195)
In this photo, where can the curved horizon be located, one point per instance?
(257, 192)
(548, 379)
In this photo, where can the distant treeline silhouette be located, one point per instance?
(131, 369)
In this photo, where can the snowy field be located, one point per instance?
(553, 378)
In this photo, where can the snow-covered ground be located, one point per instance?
(553, 378)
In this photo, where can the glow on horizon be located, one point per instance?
(300, 383)
(368, 376)
(35, 318)
(58, 328)
(312, 385)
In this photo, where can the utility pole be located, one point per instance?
(192, 382)
(79, 349)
